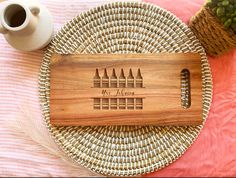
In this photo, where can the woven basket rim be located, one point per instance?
(210, 31)
(216, 19)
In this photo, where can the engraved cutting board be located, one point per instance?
(126, 89)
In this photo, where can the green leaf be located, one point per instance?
(209, 3)
(225, 3)
(227, 23)
(220, 11)
(230, 8)
(223, 19)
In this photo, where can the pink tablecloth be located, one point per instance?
(213, 153)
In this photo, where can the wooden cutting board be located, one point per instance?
(126, 89)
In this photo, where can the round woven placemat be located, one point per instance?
(124, 28)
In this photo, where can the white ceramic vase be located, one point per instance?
(26, 25)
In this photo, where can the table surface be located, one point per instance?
(28, 152)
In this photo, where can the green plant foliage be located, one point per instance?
(225, 10)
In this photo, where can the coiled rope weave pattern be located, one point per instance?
(124, 28)
(211, 33)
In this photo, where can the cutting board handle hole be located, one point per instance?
(185, 88)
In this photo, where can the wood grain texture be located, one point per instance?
(124, 89)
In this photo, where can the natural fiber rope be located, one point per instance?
(211, 33)
(124, 28)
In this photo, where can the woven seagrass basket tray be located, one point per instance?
(124, 28)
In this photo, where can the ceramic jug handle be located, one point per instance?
(2, 29)
(35, 10)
